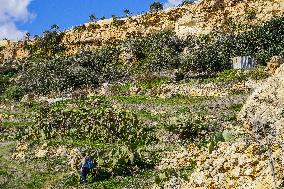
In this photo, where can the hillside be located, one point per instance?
(152, 99)
(200, 18)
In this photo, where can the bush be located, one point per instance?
(14, 93)
(92, 120)
(157, 52)
(69, 73)
(4, 83)
(185, 3)
(212, 53)
(207, 54)
(6, 73)
(188, 128)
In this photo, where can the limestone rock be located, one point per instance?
(206, 15)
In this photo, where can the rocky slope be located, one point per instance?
(255, 159)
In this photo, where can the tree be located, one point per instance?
(47, 46)
(103, 18)
(54, 27)
(28, 35)
(156, 6)
(126, 12)
(93, 18)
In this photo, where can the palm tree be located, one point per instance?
(156, 6)
(54, 27)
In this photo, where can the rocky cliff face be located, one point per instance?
(92, 35)
(208, 15)
(12, 50)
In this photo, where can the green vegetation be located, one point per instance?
(47, 46)
(47, 72)
(62, 74)
(126, 12)
(107, 130)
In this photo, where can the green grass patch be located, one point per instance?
(176, 100)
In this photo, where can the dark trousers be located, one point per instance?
(84, 174)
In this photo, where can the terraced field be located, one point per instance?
(174, 127)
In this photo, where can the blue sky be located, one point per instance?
(36, 16)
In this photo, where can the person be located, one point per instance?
(86, 167)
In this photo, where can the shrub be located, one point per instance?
(186, 3)
(6, 73)
(188, 128)
(93, 18)
(7, 70)
(4, 83)
(161, 59)
(69, 73)
(14, 93)
(207, 55)
(250, 14)
(92, 120)
(159, 51)
(212, 53)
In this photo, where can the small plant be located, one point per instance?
(80, 28)
(54, 27)
(188, 128)
(117, 22)
(28, 35)
(94, 27)
(14, 93)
